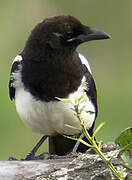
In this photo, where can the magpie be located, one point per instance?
(50, 67)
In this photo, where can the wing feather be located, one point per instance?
(15, 67)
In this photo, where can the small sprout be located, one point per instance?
(64, 99)
(92, 143)
(78, 139)
(82, 98)
(97, 129)
(72, 127)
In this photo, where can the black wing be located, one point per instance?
(15, 67)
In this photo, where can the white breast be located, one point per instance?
(50, 118)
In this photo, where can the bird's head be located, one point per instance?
(63, 31)
(70, 30)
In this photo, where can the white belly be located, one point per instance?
(50, 118)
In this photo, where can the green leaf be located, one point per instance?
(126, 158)
(85, 143)
(63, 99)
(81, 98)
(77, 139)
(97, 129)
(125, 139)
(69, 126)
(71, 137)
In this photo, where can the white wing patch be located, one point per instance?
(18, 58)
(15, 73)
(85, 62)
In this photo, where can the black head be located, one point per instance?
(61, 31)
(69, 29)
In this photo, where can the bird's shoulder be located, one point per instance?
(85, 62)
(17, 62)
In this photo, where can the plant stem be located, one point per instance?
(95, 147)
(92, 143)
(115, 172)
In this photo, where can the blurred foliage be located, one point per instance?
(111, 62)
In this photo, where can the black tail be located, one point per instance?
(61, 145)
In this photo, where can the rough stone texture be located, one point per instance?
(87, 166)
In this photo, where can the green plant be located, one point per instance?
(92, 143)
(124, 140)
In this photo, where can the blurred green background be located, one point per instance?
(111, 62)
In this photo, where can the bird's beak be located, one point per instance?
(92, 34)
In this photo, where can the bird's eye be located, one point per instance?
(68, 34)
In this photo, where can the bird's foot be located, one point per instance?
(69, 155)
(12, 159)
(45, 155)
(31, 157)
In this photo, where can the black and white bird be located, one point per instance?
(50, 67)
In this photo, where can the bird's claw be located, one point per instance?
(31, 157)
